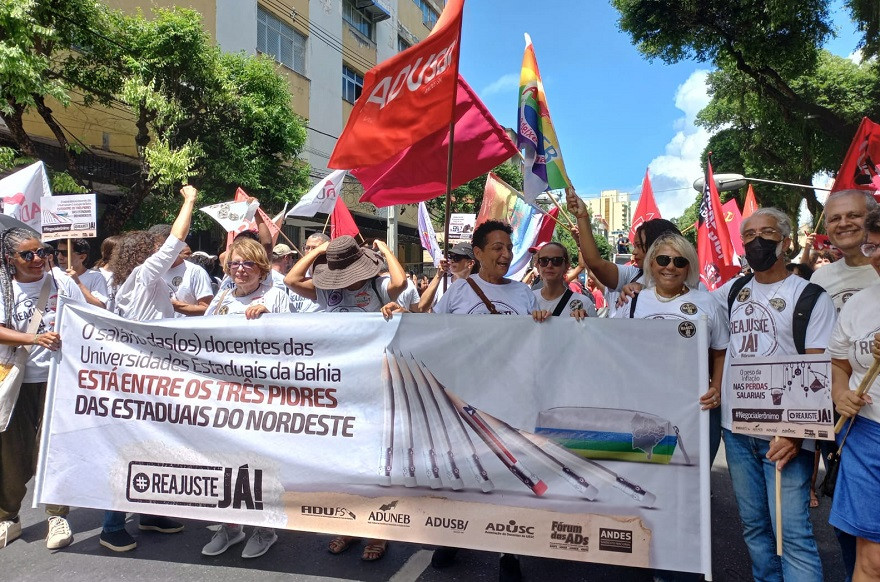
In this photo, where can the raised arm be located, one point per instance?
(180, 227)
(604, 271)
(297, 278)
(395, 269)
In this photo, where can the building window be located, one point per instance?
(402, 45)
(352, 84)
(357, 19)
(281, 42)
(429, 15)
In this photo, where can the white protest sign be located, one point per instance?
(74, 216)
(461, 227)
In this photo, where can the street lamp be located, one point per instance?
(727, 182)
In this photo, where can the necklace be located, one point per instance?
(663, 299)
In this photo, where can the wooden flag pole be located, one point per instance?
(863, 388)
(562, 211)
(778, 508)
(293, 246)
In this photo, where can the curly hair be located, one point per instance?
(249, 250)
(133, 249)
(10, 241)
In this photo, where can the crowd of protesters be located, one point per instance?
(154, 274)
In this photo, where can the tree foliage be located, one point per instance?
(217, 120)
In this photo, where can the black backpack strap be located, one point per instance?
(632, 305)
(735, 288)
(563, 301)
(803, 309)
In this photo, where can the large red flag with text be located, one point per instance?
(751, 204)
(860, 169)
(646, 209)
(713, 241)
(418, 172)
(341, 221)
(404, 98)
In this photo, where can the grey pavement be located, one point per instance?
(303, 557)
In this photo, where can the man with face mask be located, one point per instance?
(762, 325)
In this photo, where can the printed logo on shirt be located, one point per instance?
(687, 329)
(861, 349)
(777, 303)
(748, 324)
(176, 281)
(744, 295)
(845, 297)
(576, 305)
(362, 299)
(334, 297)
(688, 308)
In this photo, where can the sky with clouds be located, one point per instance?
(615, 113)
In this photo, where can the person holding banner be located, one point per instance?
(855, 350)
(138, 268)
(671, 293)
(28, 295)
(761, 313)
(555, 296)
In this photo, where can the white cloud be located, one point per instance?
(857, 57)
(503, 84)
(679, 166)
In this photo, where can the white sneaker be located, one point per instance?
(260, 542)
(227, 535)
(9, 531)
(59, 535)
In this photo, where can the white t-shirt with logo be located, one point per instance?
(690, 306)
(851, 340)
(26, 296)
(842, 281)
(361, 300)
(761, 324)
(189, 283)
(94, 281)
(511, 298)
(145, 295)
(577, 301)
(226, 303)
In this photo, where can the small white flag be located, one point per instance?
(428, 236)
(21, 192)
(232, 216)
(322, 197)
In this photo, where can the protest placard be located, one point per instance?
(461, 227)
(350, 424)
(74, 216)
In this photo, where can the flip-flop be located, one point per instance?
(339, 544)
(375, 551)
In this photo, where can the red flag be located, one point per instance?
(341, 221)
(733, 218)
(548, 225)
(646, 208)
(713, 240)
(750, 204)
(404, 98)
(860, 169)
(419, 172)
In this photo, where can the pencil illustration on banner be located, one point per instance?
(422, 424)
(386, 460)
(409, 466)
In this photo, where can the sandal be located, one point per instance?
(339, 544)
(374, 550)
(814, 500)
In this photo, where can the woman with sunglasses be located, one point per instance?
(460, 264)
(555, 296)
(671, 292)
(25, 285)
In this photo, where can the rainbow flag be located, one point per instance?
(535, 134)
(502, 202)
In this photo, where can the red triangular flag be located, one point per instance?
(548, 225)
(404, 98)
(341, 221)
(750, 204)
(418, 173)
(713, 240)
(733, 218)
(860, 169)
(646, 209)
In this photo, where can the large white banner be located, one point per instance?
(573, 440)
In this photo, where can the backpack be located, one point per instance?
(803, 309)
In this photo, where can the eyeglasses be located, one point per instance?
(678, 262)
(557, 261)
(455, 258)
(870, 249)
(767, 232)
(246, 265)
(29, 255)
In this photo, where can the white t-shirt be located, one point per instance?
(851, 340)
(842, 281)
(26, 296)
(690, 306)
(145, 295)
(761, 325)
(226, 303)
(626, 274)
(511, 298)
(577, 301)
(409, 295)
(363, 299)
(189, 283)
(111, 289)
(94, 281)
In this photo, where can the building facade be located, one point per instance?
(612, 213)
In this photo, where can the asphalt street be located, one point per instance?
(303, 557)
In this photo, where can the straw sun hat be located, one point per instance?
(347, 263)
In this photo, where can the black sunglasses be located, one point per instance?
(679, 262)
(29, 255)
(557, 261)
(455, 258)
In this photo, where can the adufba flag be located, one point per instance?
(286, 421)
(232, 216)
(21, 192)
(535, 133)
(428, 236)
(322, 197)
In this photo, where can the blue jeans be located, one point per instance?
(114, 521)
(754, 485)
